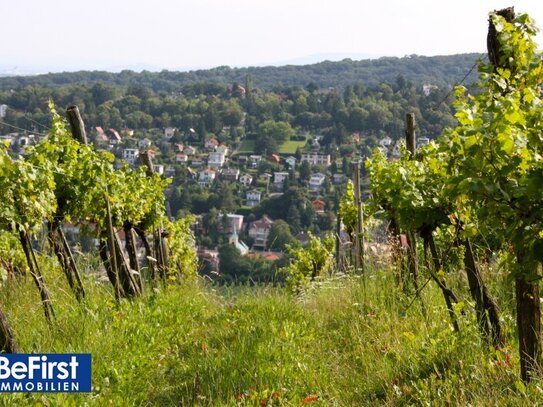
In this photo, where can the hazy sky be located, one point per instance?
(170, 34)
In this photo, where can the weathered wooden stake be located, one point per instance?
(359, 235)
(76, 124)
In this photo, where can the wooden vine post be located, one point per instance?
(359, 234)
(412, 257)
(159, 234)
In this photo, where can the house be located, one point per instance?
(211, 144)
(130, 155)
(259, 231)
(215, 159)
(385, 142)
(191, 174)
(291, 162)
(422, 141)
(274, 158)
(178, 148)
(190, 150)
(253, 197)
(254, 160)
(25, 140)
(230, 174)
(428, 88)
(3, 111)
(181, 158)
(169, 132)
(246, 180)
(158, 168)
(242, 159)
(144, 143)
(316, 182)
(206, 177)
(100, 135)
(113, 136)
(197, 161)
(338, 178)
(279, 177)
(127, 132)
(319, 205)
(316, 159)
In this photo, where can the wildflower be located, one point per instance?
(310, 399)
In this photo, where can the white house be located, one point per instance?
(246, 180)
(253, 197)
(211, 144)
(130, 155)
(144, 143)
(206, 177)
(316, 159)
(316, 182)
(291, 162)
(259, 230)
(169, 132)
(181, 158)
(279, 177)
(338, 178)
(216, 159)
(190, 150)
(422, 141)
(158, 168)
(254, 160)
(3, 110)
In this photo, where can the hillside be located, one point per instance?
(438, 70)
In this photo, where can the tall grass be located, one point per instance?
(341, 343)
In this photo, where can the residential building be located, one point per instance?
(3, 110)
(211, 144)
(316, 159)
(253, 197)
(422, 141)
(338, 178)
(130, 155)
(279, 177)
(113, 136)
(319, 205)
(169, 132)
(254, 160)
(181, 158)
(158, 168)
(291, 162)
(215, 159)
(190, 150)
(144, 143)
(206, 177)
(246, 180)
(100, 135)
(230, 174)
(316, 182)
(259, 231)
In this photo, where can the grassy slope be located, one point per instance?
(193, 344)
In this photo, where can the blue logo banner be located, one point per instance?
(47, 372)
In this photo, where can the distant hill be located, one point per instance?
(438, 70)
